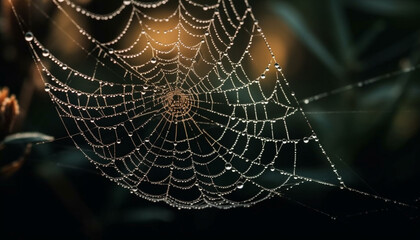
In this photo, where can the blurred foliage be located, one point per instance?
(372, 131)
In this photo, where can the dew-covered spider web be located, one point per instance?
(170, 102)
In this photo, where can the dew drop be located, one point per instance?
(240, 185)
(130, 134)
(153, 60)
(127, 2)
(262, 76)
(29, 36)
(272, 168)
(118, 141)
(45, 53)
(111, 51)
(228, 166)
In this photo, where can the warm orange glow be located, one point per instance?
(281, 40)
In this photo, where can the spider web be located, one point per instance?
(175, 108)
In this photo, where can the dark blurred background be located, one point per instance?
(371, 130)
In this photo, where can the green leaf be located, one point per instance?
(296, 22)
(27, 137)
(388, 7)
(342, 30)
(368, 38)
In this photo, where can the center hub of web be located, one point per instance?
(177, 103)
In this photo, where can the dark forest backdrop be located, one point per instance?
(373, 131)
